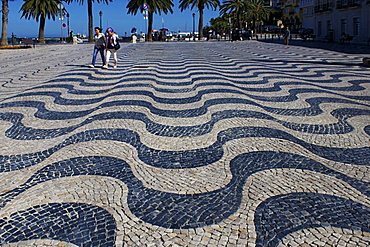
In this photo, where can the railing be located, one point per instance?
(342, 4)
(323, 7)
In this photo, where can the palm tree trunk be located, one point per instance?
(4, 29)
(150, 25)
(200, 26)
(254, 25)
(90, 14)
(42, 29)
(238, 18)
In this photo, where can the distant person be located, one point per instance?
(70, 37)
(134, 39)
(75, 40)
(343, 37)
(112, 46)
(99, 46)
(13, 39)
(286, 36)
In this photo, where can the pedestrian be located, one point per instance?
(99, 46)
(286, 36)
(112, 46)
(134, 38)
(13, 39)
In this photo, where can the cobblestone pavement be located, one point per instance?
(185, 144)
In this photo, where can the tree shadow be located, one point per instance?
(344, 48)
(310, 62)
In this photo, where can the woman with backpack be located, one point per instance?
(112, 46)
(99, 46)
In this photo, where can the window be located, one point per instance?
(308, 11)
(356, 26)
(319, 28)
(329, 26)
(343, 26)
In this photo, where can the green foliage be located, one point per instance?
(242, 11)
(233, 6)
(155, 6)
(83, 1)
(199, 4)
(220, 24)
(40, 8)
(256, 10)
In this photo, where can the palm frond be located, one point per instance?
(34, 9)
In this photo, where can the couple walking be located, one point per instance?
(108, 43)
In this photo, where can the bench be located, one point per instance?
(28, 42)
(312, 37)
(346, 38)
(308, 37)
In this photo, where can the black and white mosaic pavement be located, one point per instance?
(185, 144)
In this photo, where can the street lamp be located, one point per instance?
(61, 14)
(101, 19)
(194, 26)
(68, 23)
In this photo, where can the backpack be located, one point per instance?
(117, 45)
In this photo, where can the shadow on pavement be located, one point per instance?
(310, 62)
(345, 48)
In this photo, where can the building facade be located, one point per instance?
(336, 17)
(308, 14)
(292, 14)
(330, 19)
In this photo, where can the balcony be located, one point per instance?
(324, 7)
(343, 4)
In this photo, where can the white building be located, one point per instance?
(334, 17)
(308, 14)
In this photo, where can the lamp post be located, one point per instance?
(193, 26)
(68, 24)
(101, 19)
(61, 14)
(231, 29)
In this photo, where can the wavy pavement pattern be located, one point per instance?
(241, 168)
(308, 212)
(184, 159)
(79, 224)
(171, 84)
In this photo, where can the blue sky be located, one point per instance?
(114, 15)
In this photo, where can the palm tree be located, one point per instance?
(237, 7)
(4, 26)
(154, 6)
(220, 24)
(90, 14)
(40, 10)
(200, 4)
(257, 11)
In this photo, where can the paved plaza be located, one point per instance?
(185, 144)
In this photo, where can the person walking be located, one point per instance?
(99, 46)
(286, 36)
(112, 46)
